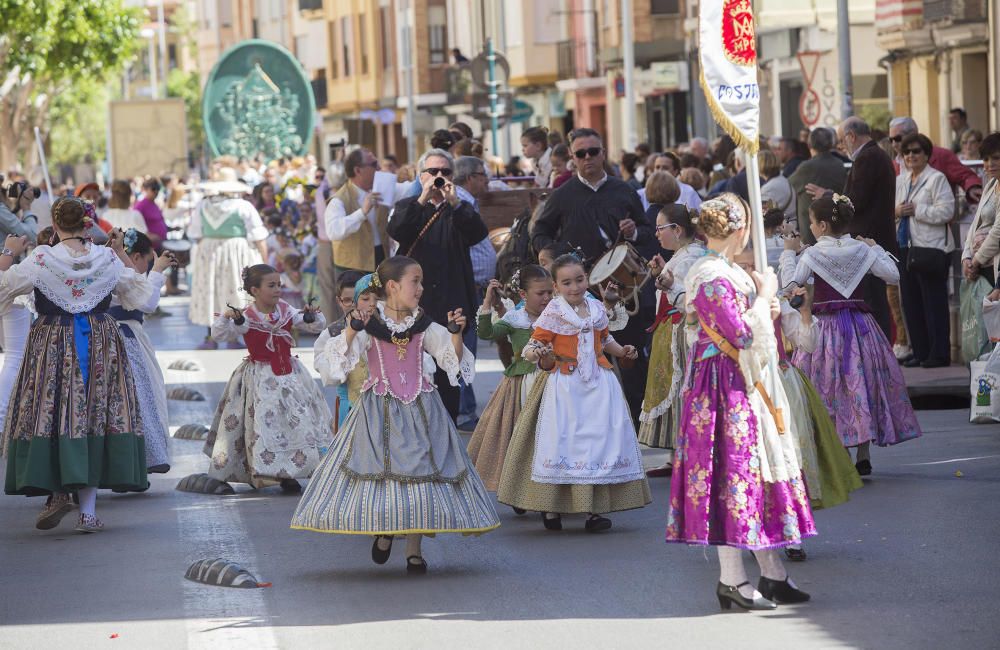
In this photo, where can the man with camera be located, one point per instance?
(15, 210)
(437, 229)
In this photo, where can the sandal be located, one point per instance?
(416, 565)
(56, 507)
(380, 556)
(89, 524)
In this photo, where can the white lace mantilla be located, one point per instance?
(841, 261)
(75, 282)
(396, 327)
(519, 318)
(560, 317)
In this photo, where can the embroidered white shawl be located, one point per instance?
(842, 261)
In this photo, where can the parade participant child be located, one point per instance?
(398, 467)
(854, 370)
(149, 385)
(574, 448)
(661, 405)
(826, 465)
(489, 442)
(354, 292)
(736, 483)
(297, 288)
(550, 252)
(272, 422)
(97, 442)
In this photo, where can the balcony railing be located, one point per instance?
(958, 11)
(571, 60)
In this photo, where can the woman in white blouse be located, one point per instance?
(925, 205)
(73, 423)
(120, 213)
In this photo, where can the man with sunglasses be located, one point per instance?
(437, 229)
(593, 211)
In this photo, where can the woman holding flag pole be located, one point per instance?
(736, 482)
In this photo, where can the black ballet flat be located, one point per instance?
(864, 467)
(781, 591)
(518, 511)
(729, 596)
(290, 486)
(378, 555)
(597, 523)
(416, 565)
(795, 554)
(552, 523)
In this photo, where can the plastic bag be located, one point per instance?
(991, 318)
(975, 341)
(985, 380)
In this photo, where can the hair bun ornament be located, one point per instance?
(244, 274)
(131, 235)
(376, 281)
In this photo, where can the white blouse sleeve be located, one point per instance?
(885, 267)
(224, 330)
(310, 328)
(336, 360)
(14, 282)
(802, 336)
(792, 270)
(134, 290)
(437, 341)
(618, 319)
(252, 222)
(156, 280)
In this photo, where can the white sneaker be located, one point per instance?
(902, 351)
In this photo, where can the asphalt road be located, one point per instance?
(909, 562)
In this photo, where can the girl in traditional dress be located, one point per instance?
(854, 369)
(574, 448)
(488, 446)
(273, 422)
(398, 467)
(661, 405)
(827, 468)
(73, 423)
(736, 483)
(230, 238)
(355, 291)
(146, 373)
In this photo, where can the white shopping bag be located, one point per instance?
(991, 318)
(984, 389)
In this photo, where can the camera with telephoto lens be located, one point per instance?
(439, 182)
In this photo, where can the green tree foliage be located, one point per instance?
(51, 48)
(187, 86)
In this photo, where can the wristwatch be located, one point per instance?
(6, 251)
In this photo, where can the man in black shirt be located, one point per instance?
(593, 211)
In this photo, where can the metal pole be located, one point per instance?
(45, 165)
(161, 20)
(756, 214)
(844, 50)
(493, 83)
(411, 137)
(628, 61)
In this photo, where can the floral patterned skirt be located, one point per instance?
(268, 427)
(718, 494)
(62, 432)
(217, 276)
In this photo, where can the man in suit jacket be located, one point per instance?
(823, 169)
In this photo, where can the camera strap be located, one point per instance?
(423, 231)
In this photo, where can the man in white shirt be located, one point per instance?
(355, 219)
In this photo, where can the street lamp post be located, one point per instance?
(628, 62)
(844, 50)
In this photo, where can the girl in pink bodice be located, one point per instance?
(398, 466)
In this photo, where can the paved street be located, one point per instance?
(910, 562)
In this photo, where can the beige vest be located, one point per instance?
(357, 251)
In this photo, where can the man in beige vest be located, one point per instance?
(355, 219)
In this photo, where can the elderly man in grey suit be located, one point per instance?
(823, 169)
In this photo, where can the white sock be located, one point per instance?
(385, 542)
(770, 565)
(88, 500)
(731, 570)
(413, 545)
(864, 451)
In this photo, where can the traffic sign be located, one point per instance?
(479, 67)
(522, 111)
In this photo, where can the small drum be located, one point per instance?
(625, 266)
(181, 248)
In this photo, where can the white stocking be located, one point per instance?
(770, 565)
(731, 570)
(413, 545)
(88, 500)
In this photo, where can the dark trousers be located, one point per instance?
(449, 394)
(877, 300)
(925, 307)
(634, 373)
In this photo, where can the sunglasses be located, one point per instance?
(896, 138)
(593, 152)
(438, 171)
(913, 152)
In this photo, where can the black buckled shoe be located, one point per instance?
(864, 467)
(729, 596)
(781, 591)
(378, 555)
(597, 523)
(416, 565)
(552, 523)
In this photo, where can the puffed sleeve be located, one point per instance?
(134, 290)
(801, 334)
(14, 282)
(437, 341)
(225, 330)
(885, 267)
(310, 328)
(156, 281)
(792, 268)
(336, 359)
(749, 330)
(252, 222)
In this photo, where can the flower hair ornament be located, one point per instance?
(131, 236)
(515, 280)
(90, 214)
(729, 206)
(376, 282)
(839, 200)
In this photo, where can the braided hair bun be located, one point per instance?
(69, 214)
(723, 215)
